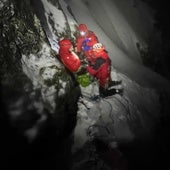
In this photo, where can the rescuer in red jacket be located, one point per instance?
(99, 65)
(68, 57)
(85, 40)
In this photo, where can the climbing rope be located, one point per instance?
(92, 136)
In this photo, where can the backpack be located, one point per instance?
(84, 79)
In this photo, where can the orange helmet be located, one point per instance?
(98, 47)
(82, 28)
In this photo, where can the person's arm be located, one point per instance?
(99, 61)
(93, 69)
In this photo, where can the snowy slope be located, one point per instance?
(117, 118)
(32, 66)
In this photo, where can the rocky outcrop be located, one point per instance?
(29, 128)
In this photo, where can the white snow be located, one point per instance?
(119, 27)
(56, 15)
(70, 19)
(32, 66)
(116, 113)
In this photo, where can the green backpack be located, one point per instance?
(84, 80)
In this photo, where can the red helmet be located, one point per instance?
(65, 42)
(82, 28)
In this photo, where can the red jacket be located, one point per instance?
(99, 66)
(85, 43)
(69, 59)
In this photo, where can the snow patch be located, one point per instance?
(70, 18)
(53, 14)
(39, 68)
(112, 119)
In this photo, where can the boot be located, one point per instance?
(114, 83)
(105, 92)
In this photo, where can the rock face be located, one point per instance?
(30, 131)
